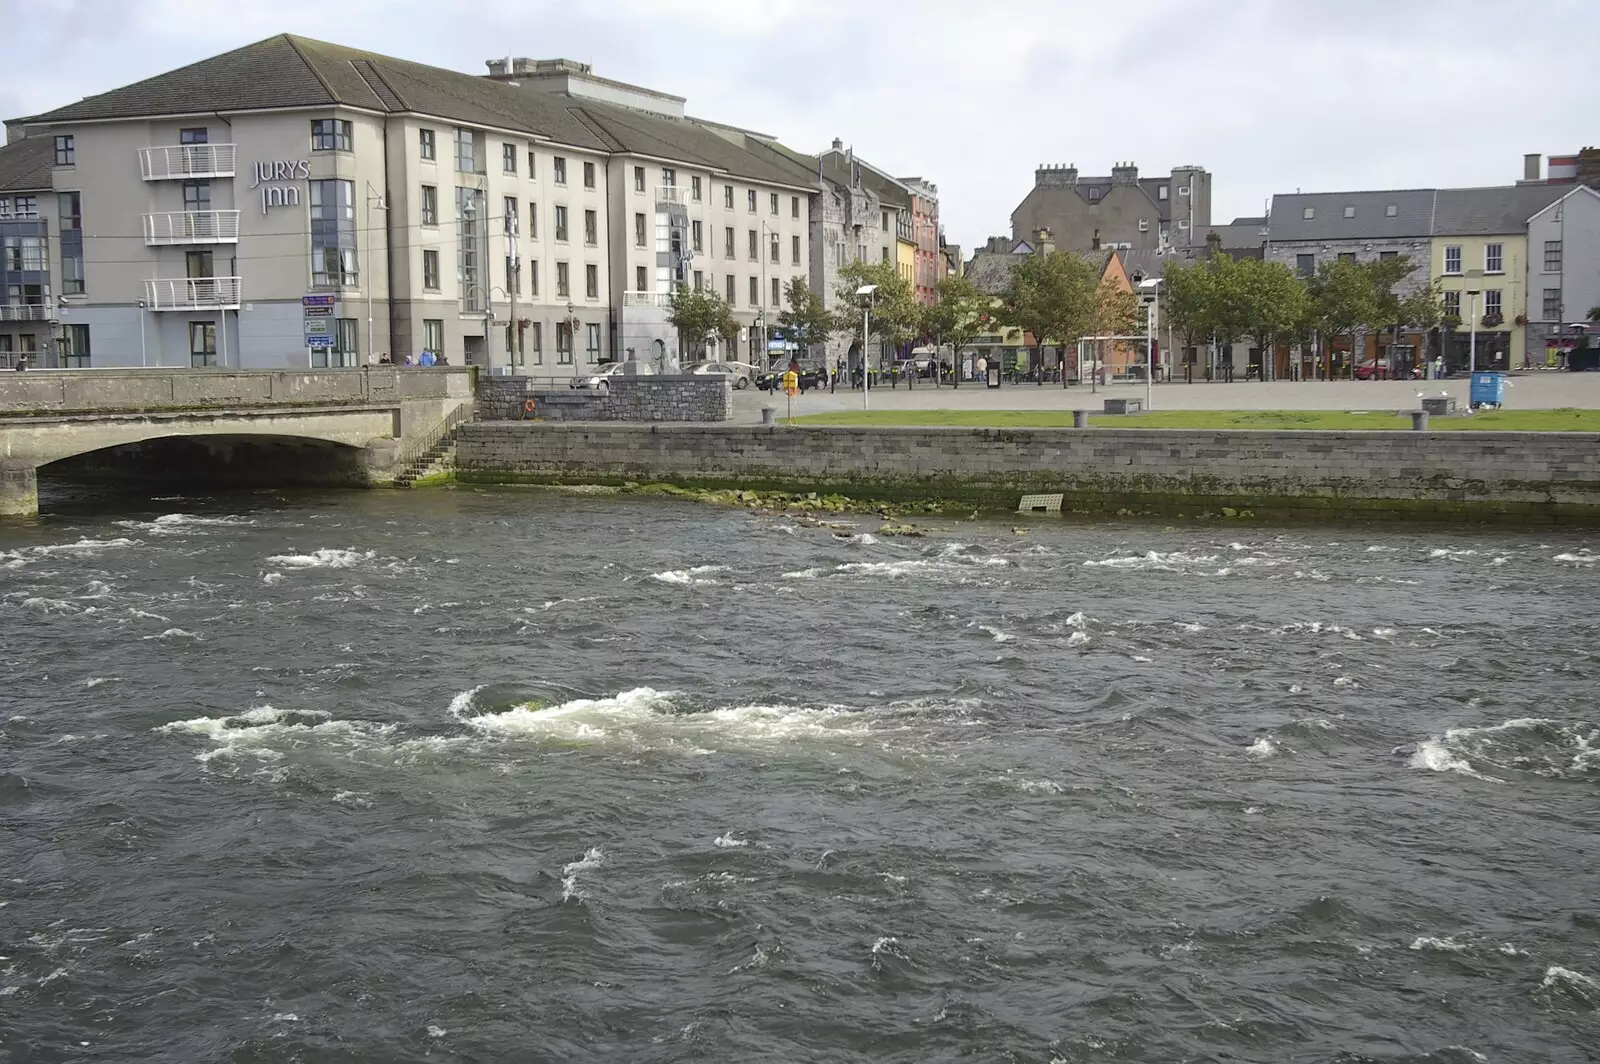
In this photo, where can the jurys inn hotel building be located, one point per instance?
(295, 203)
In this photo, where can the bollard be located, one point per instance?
(767, 413)
(1080, 419)
(1419, 421)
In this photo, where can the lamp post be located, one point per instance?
(142, 362)
(1472, 342)
(1149, 294)
(374, 199)
(864, 293)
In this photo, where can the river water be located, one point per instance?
(533, 776)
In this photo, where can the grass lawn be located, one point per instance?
(1563, 420)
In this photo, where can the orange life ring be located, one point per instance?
(528, 406)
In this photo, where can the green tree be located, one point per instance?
(805, 319)
(698, 314)
(896, 314)
(1423, 310)
(1343, 300)
(1275, 305)
(958, 317)
(1053, 296)
(1116, 311)
(1189, 301)
(1388, 304)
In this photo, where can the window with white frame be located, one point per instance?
(694, 189)
(1552, 304)
(533, 343)
(1552, 256)
(1452, 305)
(425, 143)
(1144, 225)
(696, 235)
(1491, 303)
(591, 345)
(1349, 212)
(1391, 210)
(331, 134)
(508, 158)
(1452, 259)
(564, 342)
(433, 335)
(727, 197)
(1493, 258)
(755, 291)
(638, 179)
(750, 200)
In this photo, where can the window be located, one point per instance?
(1384, 256)
(512, 284)
(794, 206)
(732, 297)
(508, 210)
(694, 189)
(1493, 257)
(1094, 194)
(1452, 304)
(430, 269)
(425, 144)
(1452, 259)
(641, 279)
(1390, 210)
(193, 135)
(591, 342)
(1144, 225)
(196, 196)
(533, 221)
(70, 205)
(727, 196)
(333, 233)
(591, 228)
(1305, 265)
(755, 291)
(559, 164)
(696, 236)
(433, 334)
(202, 343)
(1183, 190)
(1552, 256)
(1347, 256)
(794, 249)
(533, 342)
(346, 345)
(72, 270)
(727, 242)
(508, 158)
(1349, 212)
(755, 248)
(430, 205)
(1161, 192)
(561, 223)
(883, 223)
(669, 177)
(75, 355)
(531, 269)
(466, 152)
(773, 205)
(25, 254)
(1552, 304)
(1183, 223)
(699, 280)
(775, 292)
(639, 229)
(885, 254)
(331, 134)
(750, 200)
(638, 179)
(563, 281)
(564, 342)
(533, 171)
(591, 281)
(1309, 213)
(27, 206)
(66, 151)
(776, 248)
(588, 175)
(1491, 302)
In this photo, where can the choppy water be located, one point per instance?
(526, 776)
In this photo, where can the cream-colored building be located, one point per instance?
(297, 203)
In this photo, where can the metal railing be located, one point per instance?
(646, 299)
(421, 445)
(191, 227)
(186, 161)
(672, 194)
(192, 293)
(23, 311)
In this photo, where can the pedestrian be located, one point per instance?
(983, 369)
(440, 360)
(408, 361)
(428, 358)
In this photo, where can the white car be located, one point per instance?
(739, 373)
(600, 379)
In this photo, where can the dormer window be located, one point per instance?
(1161, 193)
(1349, 212)
(1309, 213)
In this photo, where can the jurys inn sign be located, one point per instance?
(266, 176)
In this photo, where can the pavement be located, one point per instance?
(1535, 390)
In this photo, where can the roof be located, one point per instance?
(25, 164)
(890, 193)
(1489, 211)
(287, 71)
(990, 271)
(1369, 217)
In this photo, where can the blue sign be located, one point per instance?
(318, 340)
(316, 301)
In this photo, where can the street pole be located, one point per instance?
(866, 332)
(142, 362)
(1472, 343)
(1149, 354)
(367, 266)
(513, 282)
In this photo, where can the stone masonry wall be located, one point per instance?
(1533, 477)
(656, 398)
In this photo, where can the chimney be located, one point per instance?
(1213, 244)
(1531, 165)
(838, 144)
(1049, 175)
(1043, 241)
(1124, 174)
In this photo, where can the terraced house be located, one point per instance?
(27, 295)
(295, 203)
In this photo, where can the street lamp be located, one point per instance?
(1472, 343)
(1149, 295)
(374, 199)
(864, 293)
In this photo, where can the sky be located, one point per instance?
(1269, 95)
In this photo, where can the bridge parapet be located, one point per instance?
(45, 392)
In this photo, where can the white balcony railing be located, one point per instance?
(191, 227)
(192, 293)
(671, 194)
(185, 161)
(23, 311)
(646, 299)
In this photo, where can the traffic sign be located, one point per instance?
(319, 312)
(316, 301)
(315, 340)
(316, 325)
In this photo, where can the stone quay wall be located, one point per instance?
(1523, 478)
(688, 397)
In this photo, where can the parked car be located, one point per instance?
(600, 379)
(812, 375)
(1372, 370)
(739, 373)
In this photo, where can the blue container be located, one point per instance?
(1488, 389)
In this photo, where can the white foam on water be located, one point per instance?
(1453, 555)
(265, 733)
(323, 558)
(1077, 639)
(864, 539)
(174, 633)
(1155, 561)
(1447, 944)
(1381, 550)
(271, 578)
(96, 589)
(1262, 748)
(176, 524)
(1077, 620)
(286, 1017)
(1511, 951)
(1539, 745)
(1142, 659)
(1559, 978)
(729, 841)
(1581, 558)
(96, 681)
(145, 615)
(996, 634)
(1036, 786)
(757, 960)
(353, 798)
(81, 547)
(436, 1032)
(50, 605)
(1188, 626)
(1384, 633)
(1436, 755)
(463, 701)
(592, 858)
(688, 576)
(803, 574)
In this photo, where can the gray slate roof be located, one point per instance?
(990, 271)
(288, 71)
(25, 164)
(1413, 215)
(1491, 211)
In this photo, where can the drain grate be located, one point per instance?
(1040, 504)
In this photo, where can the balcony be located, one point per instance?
(646, 299)
(191, 227)
(24, 312)
(672, 194)
(183, 161)
(192, 293)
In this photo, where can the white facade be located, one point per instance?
(1563, 271)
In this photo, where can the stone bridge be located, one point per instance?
(364, 421)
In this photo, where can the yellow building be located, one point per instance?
(905, 249)
(1480, 245)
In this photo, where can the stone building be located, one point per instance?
(1122, 210)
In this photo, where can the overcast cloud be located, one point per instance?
(1270, 95)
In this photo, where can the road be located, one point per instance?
(1538, 390)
